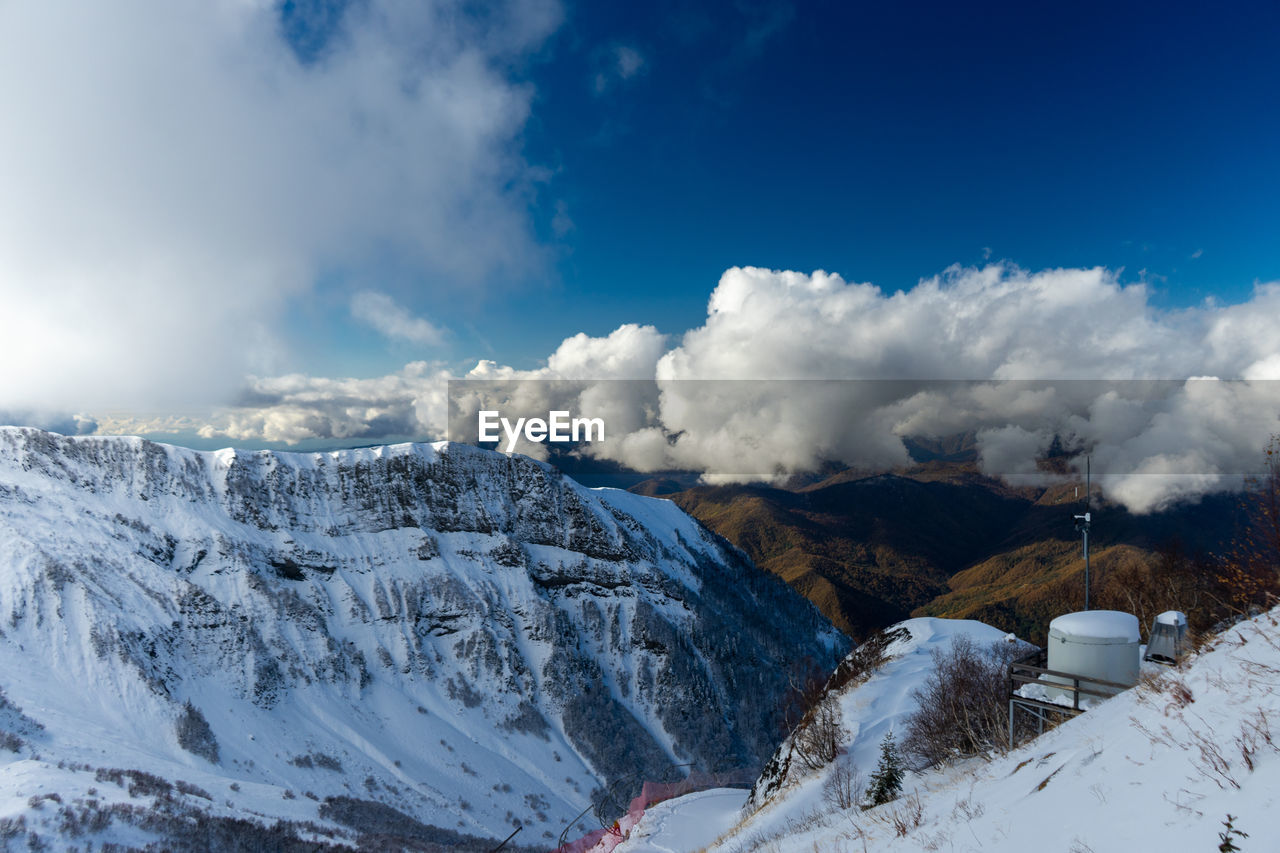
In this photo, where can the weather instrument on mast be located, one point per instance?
(1082, 525)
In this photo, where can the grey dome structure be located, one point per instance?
(1168, 638)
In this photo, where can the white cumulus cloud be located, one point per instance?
(790, 371)
(1050, 353)
(293, 408)
(383, 314)
(174, 178)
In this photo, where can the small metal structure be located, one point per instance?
(505, 840)
(1082, 524)
(1168, 638)
(611, 803)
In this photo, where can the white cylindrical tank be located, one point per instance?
(1100, 644)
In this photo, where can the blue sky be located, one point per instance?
(889, 141)
(278, 222)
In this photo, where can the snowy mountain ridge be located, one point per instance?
(467, 638)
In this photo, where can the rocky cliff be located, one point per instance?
(470, 639)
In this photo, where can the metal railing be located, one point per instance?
(1030, 670)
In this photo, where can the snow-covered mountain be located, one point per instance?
(467, 638)
(883, 676)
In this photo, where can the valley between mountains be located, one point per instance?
(939, 539)
(430, 647)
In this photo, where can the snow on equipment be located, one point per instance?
(1168, 637)
(1096, 646)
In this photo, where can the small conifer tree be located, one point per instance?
(1228, 843)
(886, 782)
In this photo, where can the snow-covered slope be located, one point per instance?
(1159, 767)
(889, 668)
(466, 637)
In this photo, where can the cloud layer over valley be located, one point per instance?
(1014, 357)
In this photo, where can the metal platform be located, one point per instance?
(1032, 669)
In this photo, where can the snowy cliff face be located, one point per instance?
(467, 637)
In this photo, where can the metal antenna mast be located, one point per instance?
(1082, 524)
